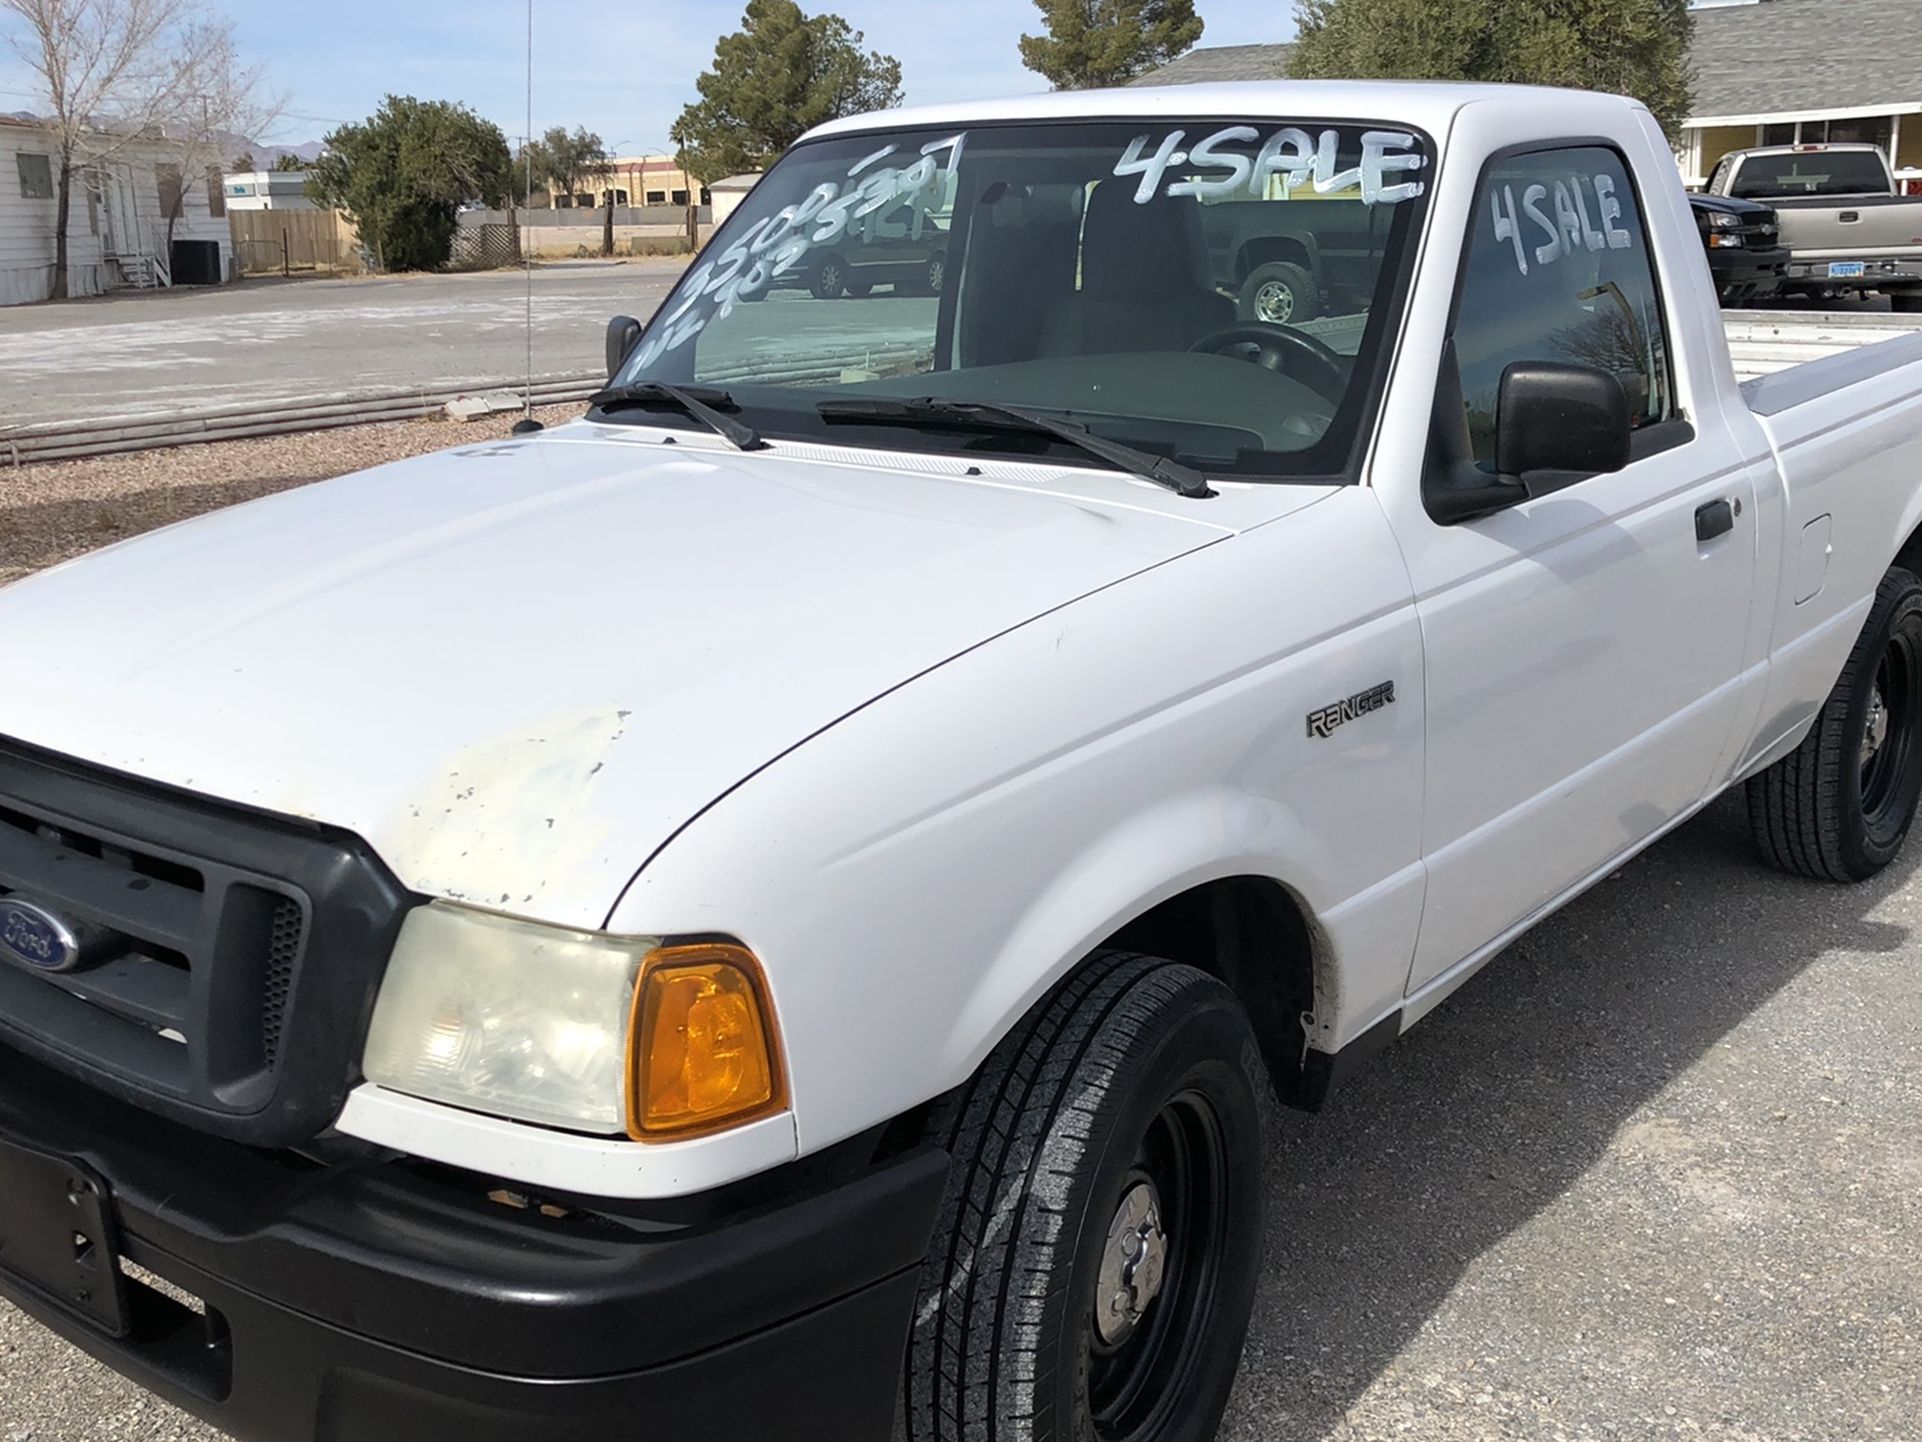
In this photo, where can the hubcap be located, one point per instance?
(1133, 1264)
(1274, 302)
(1877, 730)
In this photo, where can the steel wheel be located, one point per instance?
(1159, 1272)
(1887, 752)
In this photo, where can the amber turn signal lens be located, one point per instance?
(702, 1051)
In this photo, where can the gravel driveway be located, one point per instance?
(1655, 1174)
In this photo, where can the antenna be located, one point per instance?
(527, 425)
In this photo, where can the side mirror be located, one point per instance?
(1557, 424)
(623, 334)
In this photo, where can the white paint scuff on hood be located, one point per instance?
(517, 669)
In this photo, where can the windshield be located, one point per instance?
(1219, 294)
(1813, 172)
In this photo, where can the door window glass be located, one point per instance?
(1558, 269)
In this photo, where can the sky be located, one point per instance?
(622, 70)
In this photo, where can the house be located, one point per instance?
(118, 232)
(1783, 72)
(1767, 72)
(268, 190)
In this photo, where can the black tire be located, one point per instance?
(1135, 1072)
(1279, 293)
(859, 288)
(1905, 300)
(1838, 808)
(829, 279)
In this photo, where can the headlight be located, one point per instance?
(1725, 242)
(1722, 220)
(574, 1029)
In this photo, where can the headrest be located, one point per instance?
(1150, 251)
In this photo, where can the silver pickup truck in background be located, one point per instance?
(1844, 224)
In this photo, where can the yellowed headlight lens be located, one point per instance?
(703, 1053)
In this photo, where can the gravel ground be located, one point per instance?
(1655, 1174)
(58, 509)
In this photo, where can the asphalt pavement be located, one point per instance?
(1656, 1173)
(270, 339)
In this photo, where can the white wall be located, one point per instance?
(27, 225)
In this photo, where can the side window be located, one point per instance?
(1558, 269)
(36, 175)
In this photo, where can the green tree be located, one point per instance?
(1631, 47)
(404, 173)
(287, 160)
(561, 161)
(780, 75)
(1108, 42)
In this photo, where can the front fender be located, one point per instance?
(915, 877)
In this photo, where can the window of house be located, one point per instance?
(657, 197)
(36, 175)
(707, 196)
(216, 192)
(1781, 133)
(167, 180)
(680, 197)
(1558, 269)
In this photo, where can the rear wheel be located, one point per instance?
(830, 278)
(1839, 806)
(860, 287)
(1093, 1269)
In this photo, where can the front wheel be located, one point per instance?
(1839, 806)
(1094, 1265)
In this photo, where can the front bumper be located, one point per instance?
(1751, 274)
(377, 1298)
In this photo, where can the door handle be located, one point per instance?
(1714, 518)
(1849, 217)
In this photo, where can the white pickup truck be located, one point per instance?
(769, 911)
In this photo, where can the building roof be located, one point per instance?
(1221, 62)
(738, 182)
(1768, 57)
(1785, 56)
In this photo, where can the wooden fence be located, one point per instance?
(283, 242)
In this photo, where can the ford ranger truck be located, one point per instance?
(774, 910)
(1847, 227)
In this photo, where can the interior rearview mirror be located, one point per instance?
(623, 334)
(1557, 424)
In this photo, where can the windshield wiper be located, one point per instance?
(937, 414)
(697, 401)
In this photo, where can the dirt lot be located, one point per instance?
(1654, 1176)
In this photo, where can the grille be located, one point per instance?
(199, 923)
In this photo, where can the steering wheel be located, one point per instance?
(1283, 348)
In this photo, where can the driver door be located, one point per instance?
(1583, 648)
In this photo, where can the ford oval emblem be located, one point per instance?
(36, 936)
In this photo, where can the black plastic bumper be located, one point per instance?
(372, 1300)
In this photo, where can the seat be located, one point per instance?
(1144, 278)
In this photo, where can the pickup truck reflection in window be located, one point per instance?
(1214, 294)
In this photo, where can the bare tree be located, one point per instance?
(115, 72)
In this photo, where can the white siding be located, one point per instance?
(26, 225)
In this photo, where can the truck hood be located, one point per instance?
(516, 669)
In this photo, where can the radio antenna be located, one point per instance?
(526, 425)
